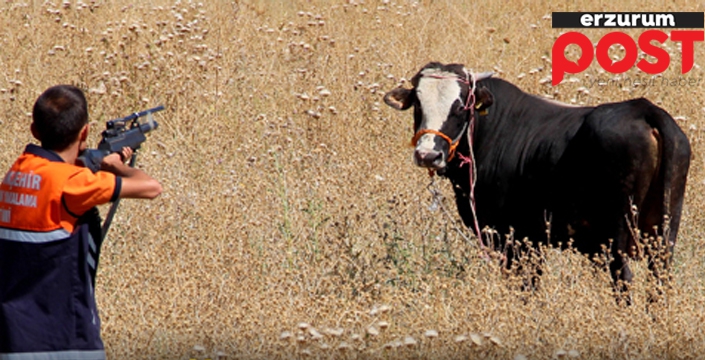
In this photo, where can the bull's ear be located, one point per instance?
(399, 98)
(483, 100)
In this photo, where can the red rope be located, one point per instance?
(464, 160)
(469, 160)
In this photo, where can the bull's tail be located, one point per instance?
(672, 174)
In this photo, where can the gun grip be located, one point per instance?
(91, 159)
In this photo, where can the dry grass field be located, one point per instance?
(293, 222)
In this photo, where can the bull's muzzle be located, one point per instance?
(432, 159)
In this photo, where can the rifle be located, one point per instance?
(118, 133)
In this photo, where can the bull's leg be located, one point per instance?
(654, 246)
(659, 229)
(525, 262)
(653, 233)
(621, 276)
(660, 276)
(619, 266)
(658, 255)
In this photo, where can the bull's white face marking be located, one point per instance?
(436, 91)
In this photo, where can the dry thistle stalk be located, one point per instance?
(409, 341)
(460, 338)
(315, 335)
(335, 331)
(431, 334)
(476, 339)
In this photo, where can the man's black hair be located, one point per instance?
(59, 115)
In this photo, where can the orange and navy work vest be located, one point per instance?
(49, 247)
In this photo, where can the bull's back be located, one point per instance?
(518, 148)
(616, 163)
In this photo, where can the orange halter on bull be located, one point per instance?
(469, 105)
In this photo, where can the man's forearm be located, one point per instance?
(125, 171)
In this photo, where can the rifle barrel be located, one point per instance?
(140, 114)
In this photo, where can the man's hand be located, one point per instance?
(135, 183)
(114, 160)
(126, 153)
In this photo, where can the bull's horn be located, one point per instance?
(482, 75)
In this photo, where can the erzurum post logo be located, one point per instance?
(645, 41)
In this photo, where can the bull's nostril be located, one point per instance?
(438, 158)
(418, 156)
(426, 158)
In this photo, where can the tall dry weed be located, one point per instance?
(293, 223)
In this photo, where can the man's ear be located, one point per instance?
(483, 100)
(400, 98)
(83, 135)
(82, 138)
(35, 133)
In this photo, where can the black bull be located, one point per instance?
(584, 168)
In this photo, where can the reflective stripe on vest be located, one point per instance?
(33, 236)
(57, 355)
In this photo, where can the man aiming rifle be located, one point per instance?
(50, 233)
